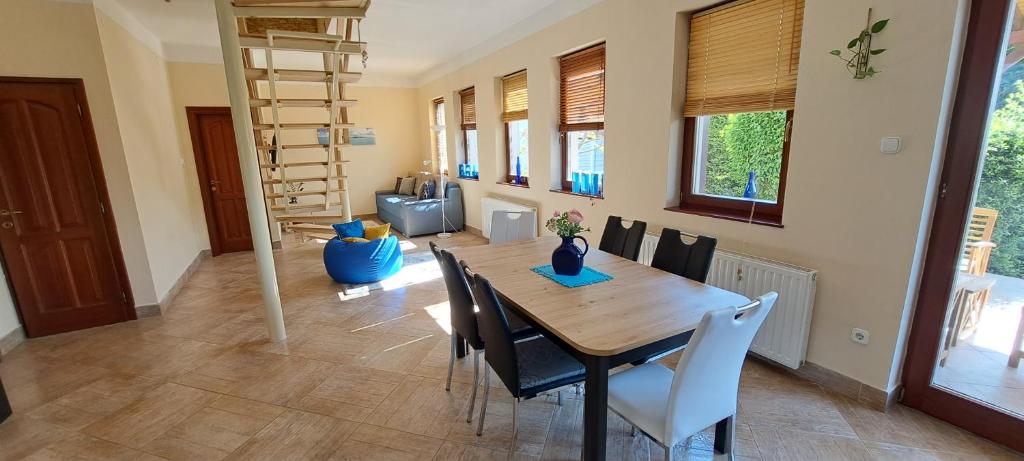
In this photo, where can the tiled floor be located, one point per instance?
(977, 366)
(363, 379)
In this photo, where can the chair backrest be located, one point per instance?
(460, 299)
(974, 258)
(500, 353)
(706, 381)
(507, 226)
(620, 241)
(690, 260)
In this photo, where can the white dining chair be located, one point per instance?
(671, 407)
(508, 226)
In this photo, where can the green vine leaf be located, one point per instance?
(853, 43)
(835, 52)
(878, 26)
(878, 51)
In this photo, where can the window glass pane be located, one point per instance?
(519, 147)
(472, 152)
(731, 147)
(586, 152)
(441, 137)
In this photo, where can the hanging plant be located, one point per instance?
(860, 50)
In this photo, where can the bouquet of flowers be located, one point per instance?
(567, 224)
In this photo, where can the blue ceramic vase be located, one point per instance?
(567, 259)
(751, 189)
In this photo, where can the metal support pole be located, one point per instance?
(245, 141)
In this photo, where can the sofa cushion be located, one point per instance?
(426, 190)
(407, 187)
(349, 229)
(377, 232)
(398, 184)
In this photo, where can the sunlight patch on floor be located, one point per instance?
(442, 315)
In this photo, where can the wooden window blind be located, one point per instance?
(582, 87)
(468, 101)
(743, 57)
(514, 97)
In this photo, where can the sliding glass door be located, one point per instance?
(963, 362)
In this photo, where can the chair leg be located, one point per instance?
(451, 365)
(476, 384)
(577, 387)
(515, 427)
(632, 430)
(559, 393)
(725, 437)
(483, 405)
(669, 453)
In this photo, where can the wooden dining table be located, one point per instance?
(640, 313)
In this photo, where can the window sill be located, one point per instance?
(569, 192)
(524, 186)
(464, 178)
(732, 215)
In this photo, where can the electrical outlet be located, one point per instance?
(860, 336)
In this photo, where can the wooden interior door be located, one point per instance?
(220, 179)
(59, 246)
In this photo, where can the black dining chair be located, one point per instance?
(527, 368)
(690, 260)
(464, 319)
(620, 241)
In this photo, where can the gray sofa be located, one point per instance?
(412, 216)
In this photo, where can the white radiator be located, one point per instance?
(489, 205)
(784, 334)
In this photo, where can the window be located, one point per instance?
(469, 166)
(440, 138)
(740, 95)
(517, 129)
(581, 122)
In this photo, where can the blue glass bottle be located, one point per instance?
(751, 190)
(519, 171)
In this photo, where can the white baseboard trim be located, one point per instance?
(11, 340)
(153, 310)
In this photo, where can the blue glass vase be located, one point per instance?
(519, 171)
(751, 190)
(567, 259)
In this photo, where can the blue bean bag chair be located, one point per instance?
(362, 262)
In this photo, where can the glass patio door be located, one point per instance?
(963, 362)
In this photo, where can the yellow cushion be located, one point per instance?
(377, 232)
(354, 240)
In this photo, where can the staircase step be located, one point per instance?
(306, 179)
(325, 103)
(301, 126)
(302, 75)
(306, 146)
(311, 218)
(309, 227)
(298, 194)
(303, 206)
(295, 164)
(303, 44)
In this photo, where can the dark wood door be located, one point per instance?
(984, 51)
(220, 178)
(58, 250)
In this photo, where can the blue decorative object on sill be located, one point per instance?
(462, 170)
(567, 259)
(576, 182)
(598, 185)
(519, 171)
(475, 171)
(323, 136)
(751, 190)
(588, 276)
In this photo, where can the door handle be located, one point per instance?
(10, 212)
(213, 184)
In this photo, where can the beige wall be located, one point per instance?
(160, 180)
(391, 112)
(56, 39)
(851, 213)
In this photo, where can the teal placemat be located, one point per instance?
(587, 276)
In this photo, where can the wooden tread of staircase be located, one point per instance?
(304, 206)
(321, 103)
(300, 126)
(303, 146)
(316, 76)
(303, 179)
(300, 44)
(311, 218)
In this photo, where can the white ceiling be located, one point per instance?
(409, 41)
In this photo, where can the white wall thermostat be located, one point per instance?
(891, 145)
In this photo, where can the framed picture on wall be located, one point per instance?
(362, 136)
